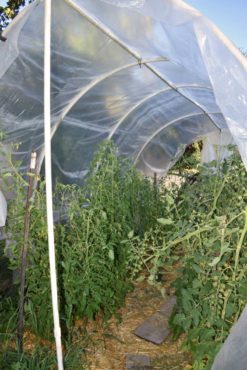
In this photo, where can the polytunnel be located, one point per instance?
(153, 76)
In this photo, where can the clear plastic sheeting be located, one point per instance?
(152, 75)
(163, 148)
(126, 3)
(232, 355)
(215, 146)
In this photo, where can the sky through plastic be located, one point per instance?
(230, 16)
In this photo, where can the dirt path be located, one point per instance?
(113, 341)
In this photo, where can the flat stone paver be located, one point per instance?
(138, 362)
(155, 329)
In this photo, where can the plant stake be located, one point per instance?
(20, 328)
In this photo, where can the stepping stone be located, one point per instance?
(138, 362)
(167, 308)
(155, 329)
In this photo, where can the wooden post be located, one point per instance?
(155, 180)
(20, 329)
(155, 186)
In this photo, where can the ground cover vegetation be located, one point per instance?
(114, 228)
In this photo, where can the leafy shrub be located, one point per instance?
(93, 263)
(211, 289)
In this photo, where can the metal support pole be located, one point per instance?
(48, 177)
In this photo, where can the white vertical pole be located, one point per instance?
(48, 176)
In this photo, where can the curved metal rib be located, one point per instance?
(136, 106)
(94, 83)
(83, 92)
(106, 30)
(102, 27)
(162, 128)
(182, 94)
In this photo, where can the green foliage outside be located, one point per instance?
(9, 11)
(190, 159)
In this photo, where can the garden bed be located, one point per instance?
(113, 260)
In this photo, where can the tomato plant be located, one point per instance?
(211, 286)
(93, 264)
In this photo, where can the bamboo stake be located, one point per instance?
(155, 180)
(20, 328)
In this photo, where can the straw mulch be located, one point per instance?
(111, 342)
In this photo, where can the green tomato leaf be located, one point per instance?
(165, 221)
(111, 254)
(104, 215)
(131, 234)
(215, 261)
(169, 199)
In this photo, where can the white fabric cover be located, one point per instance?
(153, 75)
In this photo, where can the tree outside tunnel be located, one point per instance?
(10, 10)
